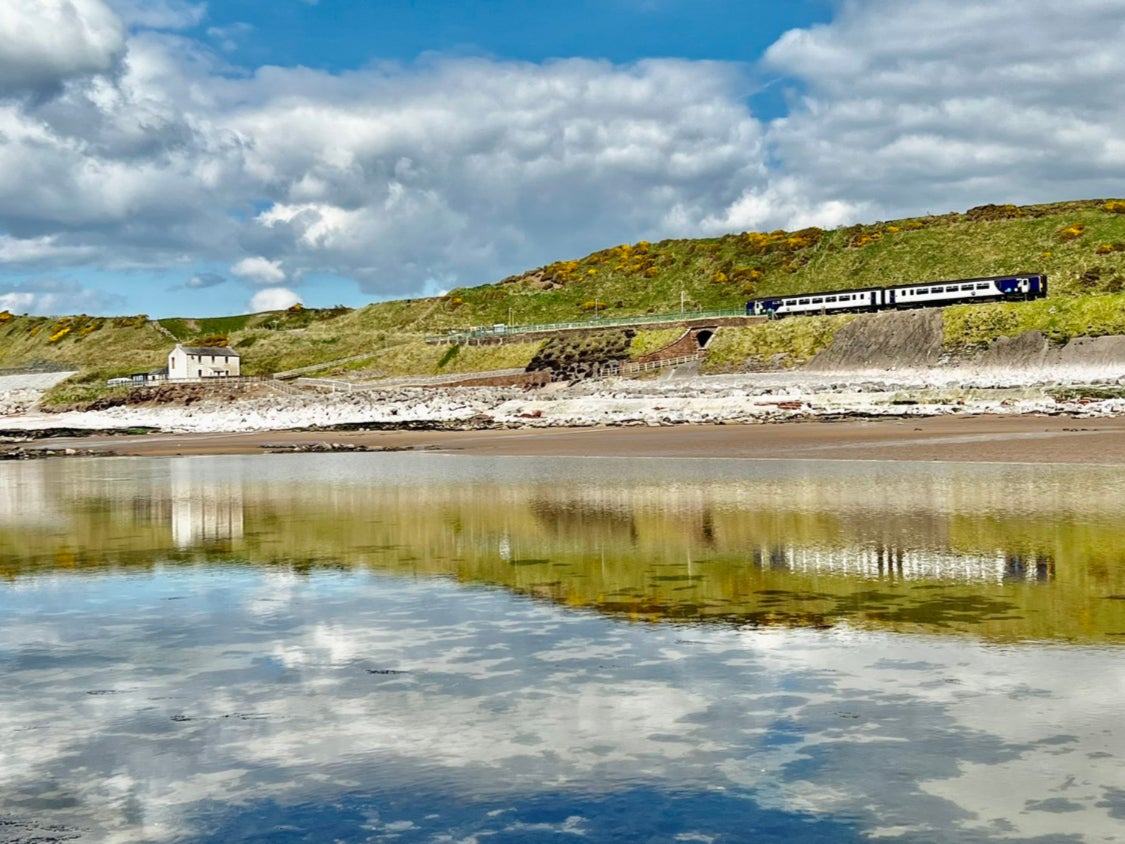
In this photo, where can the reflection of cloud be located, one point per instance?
(1043, 715)
(145, 701)
(146, 710)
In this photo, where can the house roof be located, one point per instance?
(222, 351)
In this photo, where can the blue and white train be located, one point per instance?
(926, 294)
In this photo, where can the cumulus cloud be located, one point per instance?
(44, 43)
(469, 167)
(40, 250)
(259, 270)
(56, 296)
(273, 299)
(920, 106)
(454, 171)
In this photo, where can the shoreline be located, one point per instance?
(1026, 415)
(950, 438)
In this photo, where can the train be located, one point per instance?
(900, 296)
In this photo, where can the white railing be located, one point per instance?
(330, 384)
(631, 367)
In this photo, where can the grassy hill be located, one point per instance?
(1080, 245)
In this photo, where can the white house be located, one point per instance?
(195, 362)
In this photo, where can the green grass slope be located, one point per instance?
(1080, 245)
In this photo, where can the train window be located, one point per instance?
(829, 298)
(982, 285)
(937, 289)
(966, 287)
(817, 301)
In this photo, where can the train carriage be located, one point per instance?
(988, 288)
(900, 296)
(834, 302)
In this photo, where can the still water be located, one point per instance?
(434, 648)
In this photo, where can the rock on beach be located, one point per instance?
(743, 398)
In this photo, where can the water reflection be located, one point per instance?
(202, 512)
(1038, 550)
(259, 706)
(904, 564)
(417, 648)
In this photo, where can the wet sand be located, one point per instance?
(996, 439)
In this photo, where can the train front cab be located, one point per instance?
(1022, 287)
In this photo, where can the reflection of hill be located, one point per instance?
(1032, 552)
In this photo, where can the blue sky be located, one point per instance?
(175, 157)
(338, 35)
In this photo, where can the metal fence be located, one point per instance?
(495, 331)
(215, 381)
(315, 367)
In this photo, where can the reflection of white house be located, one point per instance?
(203, 511)
(192, 362)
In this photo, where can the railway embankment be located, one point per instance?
(891, 340)
(882, 365)
(913, 340)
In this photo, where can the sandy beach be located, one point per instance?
(947, 415)
(1023, 439)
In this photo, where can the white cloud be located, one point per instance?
(56, 296)
(452, 172)
(259, 270)
(229, 37)
(457, 171)
(44, 43)
(273, 299)
(469, 168)
(39, 250)
(931, 106)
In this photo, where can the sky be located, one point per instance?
(181, 158)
